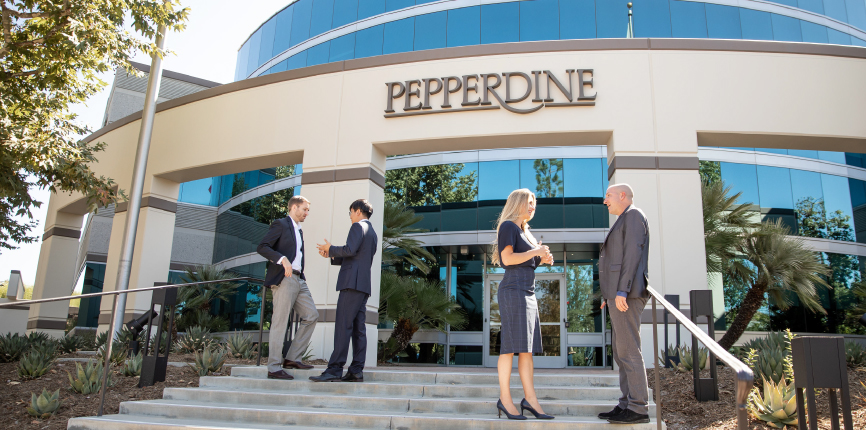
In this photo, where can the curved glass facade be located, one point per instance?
(218, 190)
(526, 20)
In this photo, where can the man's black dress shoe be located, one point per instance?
(605, 415)
(628, 416)
(325, 377)
(289, 364)
(353, 377)
(280, 375)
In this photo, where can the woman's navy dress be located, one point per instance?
(518, 309)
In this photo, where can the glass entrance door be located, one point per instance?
(550, 294)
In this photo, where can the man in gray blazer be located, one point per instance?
(355, 285)
(622, 273)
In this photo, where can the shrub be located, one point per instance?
(12, 347)
(70, 344)
(48, 347)
(241, 346)
(165, 342)
(37, 336)
(87, 379)
(118, 354)
(210, 360)
(34, 364)
(777, 407)
(87, 341)
(196, 339)
(855, 354)
(101, 338)
(132, 365)
(44, 405)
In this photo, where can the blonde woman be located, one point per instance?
(519, 253)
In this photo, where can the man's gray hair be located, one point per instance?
(623, 188)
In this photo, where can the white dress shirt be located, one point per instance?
(296, 264)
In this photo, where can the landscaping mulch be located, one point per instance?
(681, 411)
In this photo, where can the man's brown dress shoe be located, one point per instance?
(280, 375)
(289, 364)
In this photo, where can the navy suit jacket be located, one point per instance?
(356, 257)
(278, 242)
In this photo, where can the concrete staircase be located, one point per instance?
(389, 399)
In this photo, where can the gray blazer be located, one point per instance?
(622, 264)
(356, 258)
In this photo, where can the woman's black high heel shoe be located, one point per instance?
(525, 405)
(502, 409)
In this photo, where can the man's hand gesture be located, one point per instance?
(323, 249)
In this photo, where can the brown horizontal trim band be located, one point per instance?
(342, 175)
(19, 307)
(569, 104)
(652, 163)
(149, 202)
(431, 112)
(62, 232)
(96, 258)
(46, 324)
(502, 49)
(180, 267)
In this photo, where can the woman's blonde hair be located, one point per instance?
(517, 201)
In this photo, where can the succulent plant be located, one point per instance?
(777, 407)
(70, 344)
(12, 346)
(101, 338)
(855, 354)
(48, 347)
(34, 364)
(241, 346)
(165, 342)
(132, 365)
(119, 353)
(210, 360)
(45, 404)
(687, 360)
(196, 339)
(772, 353)
(37, 336)
(87, 379)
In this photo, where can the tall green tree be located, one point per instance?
(396, 244)
(431, 185)
(548, 178)
(51, 53)
(725, 219)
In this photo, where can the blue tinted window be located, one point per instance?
(430, 30)
(297, 61)
(368, 42)
(543, 177)
(576, 19)
(279, 67)
(197, 192)
(774, 187)
(319, 54)
(301, 21)
(652, 18)
(464, 26)
(398, 4)
(858, 201)
(756, 25)
(786, 28)
(343, 48)
(255, 46)
(611, 19)
(787, 2)
(836, 9)
(500, 23)
(808, 201)
(836, 37)
(803, 153)
(688, 19)
(368, 8)
(345, 11)
(321, 16)
(816, 6)
(835, 157)
(283, 33)
(857, 42)
(583, 177)
(840, 216)
(497, 179)
(265, 52)
(813, 33)
(243, 60)
(399, 36)
(773, 150)
(539, 20)
(856, 13)
(723, 22)
(743, 178)
(424, 1)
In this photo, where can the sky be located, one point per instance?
(207, 49)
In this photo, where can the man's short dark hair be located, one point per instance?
(362, 205)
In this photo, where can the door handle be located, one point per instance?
(567, 324)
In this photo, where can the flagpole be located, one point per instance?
(630, 32)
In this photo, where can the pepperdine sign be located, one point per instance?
(417, 93)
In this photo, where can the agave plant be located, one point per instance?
(196, 339)
(855, 354)
(87, 379)
(118, 354)
(777, 407)
(132, 365)
(210, 360)
(664, 358)
(101, 339)
(241, 346)
(12, 347)
(34, 364)
(70, 344)
(37, 337)
(44, 405)
(773, 351)
(687, 360)
(48, 347)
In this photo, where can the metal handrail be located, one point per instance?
(745, 377)
(114, 311)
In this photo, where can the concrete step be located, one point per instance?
(381, 389)
(148, 422)
(339, 418)
(384, 404)
(591, 379)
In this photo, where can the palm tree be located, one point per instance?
(782, 265)
(196, 301)
(413, 303)
(724, 223)
(398, 221)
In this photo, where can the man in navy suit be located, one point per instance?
(354, 284)
(283, 246)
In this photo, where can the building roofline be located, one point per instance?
(177, 76)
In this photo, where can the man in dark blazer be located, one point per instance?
(283, 247)
(623, 275)
(354, 284)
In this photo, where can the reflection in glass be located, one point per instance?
(430, 31)
(543, 177)
(688, 19)
(321, 17)
(500, 23)
(585, 356)
(723, 22)
(497, 179)
(494, 302)
(547, 296)
(464, 26)
(283, 33)
(813, 33)
(301, 21)
(539, 20)
(840, 215)
(584, 177)
(468, 288)
(756, 25)
(466, 355)
(368, 42)
(655, 18)
(345, 11)
(809, 203)
(433, 185)
(786, 28)
(582, 314)
(399, 36)
(495, 340)
(743, 178)
(576, 19)
(551, 340)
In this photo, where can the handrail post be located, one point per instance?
(261, 325)
(657, 393)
